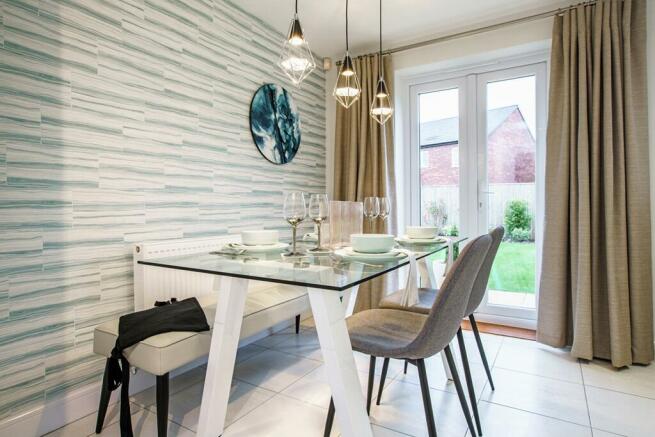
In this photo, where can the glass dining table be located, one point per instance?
(332, 283)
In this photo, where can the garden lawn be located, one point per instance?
(514, 268)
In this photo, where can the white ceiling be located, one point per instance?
(404, 21)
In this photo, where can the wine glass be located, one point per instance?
(295, 212)
(319, 210)
(371, 209)
(385, 208)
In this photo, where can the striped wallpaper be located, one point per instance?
(123, 121)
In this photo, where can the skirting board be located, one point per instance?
(84, 401)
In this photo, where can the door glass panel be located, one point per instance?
(511, 191)
(439, 159)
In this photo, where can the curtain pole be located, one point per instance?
(483, 29)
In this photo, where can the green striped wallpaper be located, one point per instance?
(123, 121)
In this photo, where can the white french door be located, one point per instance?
(476, 162)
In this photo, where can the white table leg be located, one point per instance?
(328, 312)
(232, 293)
(349, 299)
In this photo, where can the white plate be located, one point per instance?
(406, 240)
(349, 254)
(277, 247)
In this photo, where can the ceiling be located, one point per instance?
(404, 21)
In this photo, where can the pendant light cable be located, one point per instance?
(380, 63)
(296, 7)
(346, 26)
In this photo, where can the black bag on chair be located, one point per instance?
(186, 315)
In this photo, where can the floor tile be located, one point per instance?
(245, 352)
(363, 361)
(273, 340)
(314, 389)
(184, 406)
(538, 359)
(280, 416)
(621, 413)
(304, 344)
(401, 410)
(599, 433)
(180, 382)
(501, 421)
(144, 423)
(87, 424)
(274, 370)
(635, 380)
(438, 379)
(549, 397)
(491, 343)
(379, 431)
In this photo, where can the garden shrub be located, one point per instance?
(520, 235)
(517, 216)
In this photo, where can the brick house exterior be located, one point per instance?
(510, 153)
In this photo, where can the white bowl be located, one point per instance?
(372, 243)
(259, 238)
(421, 231)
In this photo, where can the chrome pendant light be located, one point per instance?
(296, 61)
(347, 89)
(381, 109)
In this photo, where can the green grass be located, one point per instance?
(514, 268)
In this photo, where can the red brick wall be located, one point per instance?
(510, 156)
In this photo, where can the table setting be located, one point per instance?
(330, 267)
(369, 250)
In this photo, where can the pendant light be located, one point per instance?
(296, 61)
(381, 109)
(347, 89)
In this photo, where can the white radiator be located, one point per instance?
(151, 284)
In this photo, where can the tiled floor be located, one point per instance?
(279, 389)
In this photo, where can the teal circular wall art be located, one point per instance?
(275, 124)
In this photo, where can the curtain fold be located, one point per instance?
(596, 288)
(364, 160)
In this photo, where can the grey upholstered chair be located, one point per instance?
(427, 297)
(392, 333)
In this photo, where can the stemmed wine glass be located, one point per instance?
(371, 209)
(295, 212)
(385, 208)
(319, 210)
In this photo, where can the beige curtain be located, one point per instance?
(363, 160)
(595, 292)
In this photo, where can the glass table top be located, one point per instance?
(325, 271)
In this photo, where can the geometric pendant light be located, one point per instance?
(296, 60)
(347, 89)
(381, 109)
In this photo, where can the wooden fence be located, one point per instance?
(500, 195)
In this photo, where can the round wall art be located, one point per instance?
(275, 124)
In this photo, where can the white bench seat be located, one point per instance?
(162, 353)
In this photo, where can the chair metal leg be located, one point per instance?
(383, 377)
(460, 390)
(329, 420)
(371, 381)
(162, 405)
(105, 394)
(469, 379)
(478, 340)
(405, 369)
(298, 324)
(427, 402)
